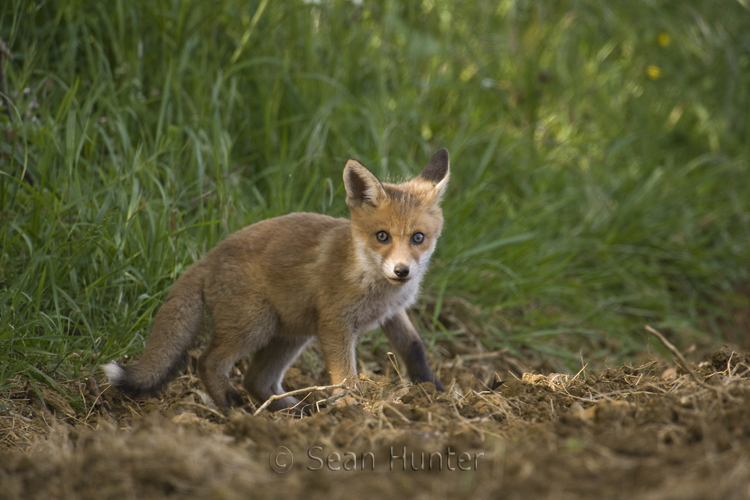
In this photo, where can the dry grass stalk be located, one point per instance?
(685, 365)
(306, 390)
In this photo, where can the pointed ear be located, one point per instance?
(437, 171)
(361, 186)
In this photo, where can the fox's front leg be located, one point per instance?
(406, 341)
(339, 346)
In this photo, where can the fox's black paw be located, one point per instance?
(439, 387)
(232, 400)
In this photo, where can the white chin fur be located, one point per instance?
(114, 372)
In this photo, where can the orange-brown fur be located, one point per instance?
(273, 286)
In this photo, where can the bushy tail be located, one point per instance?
(177, 323)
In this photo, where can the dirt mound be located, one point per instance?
(648, 431)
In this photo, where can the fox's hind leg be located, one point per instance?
(238, 332)
(263, 377)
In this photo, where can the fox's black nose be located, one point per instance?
(401, 270)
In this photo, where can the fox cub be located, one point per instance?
(272, 287)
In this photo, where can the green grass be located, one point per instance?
(586, 199)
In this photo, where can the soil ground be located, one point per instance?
(650, 431)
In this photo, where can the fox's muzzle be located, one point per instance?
(401, 270)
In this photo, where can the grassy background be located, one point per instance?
(599, 161)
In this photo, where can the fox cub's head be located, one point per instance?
(396, 226)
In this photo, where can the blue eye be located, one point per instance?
(382, 236)
(418, 238)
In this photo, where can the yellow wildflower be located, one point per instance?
(664, 39)
(653, 72)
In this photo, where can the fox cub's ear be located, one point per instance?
(437, 171)
(361, 185)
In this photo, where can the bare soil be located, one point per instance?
(649, 431)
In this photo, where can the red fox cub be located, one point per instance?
(273, 286)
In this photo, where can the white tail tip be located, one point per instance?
(114, 372)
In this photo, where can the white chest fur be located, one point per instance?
(380, 303)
